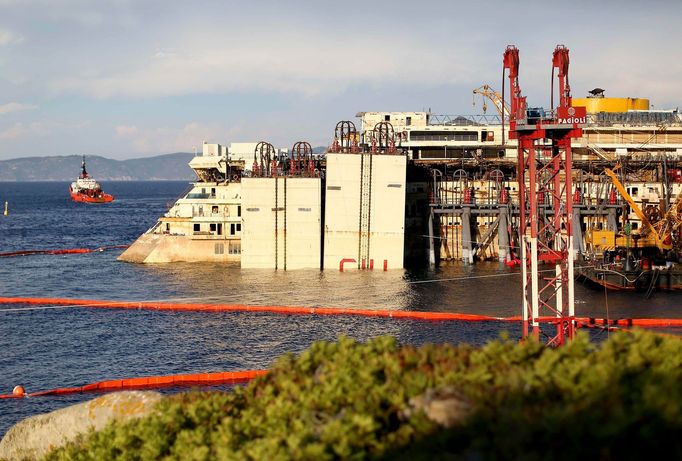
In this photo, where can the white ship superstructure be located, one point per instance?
(471, 164)
(285, 212)
(446, 183)
(205, 223)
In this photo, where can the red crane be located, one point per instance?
(545, 202)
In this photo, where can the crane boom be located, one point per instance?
(560, 61)
(510, 62)
(496, 98)
(544, 151)
(638, 211)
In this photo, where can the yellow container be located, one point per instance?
(645, 241)
(596, 105)
(601, 239)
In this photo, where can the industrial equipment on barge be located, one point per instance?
(642, 259)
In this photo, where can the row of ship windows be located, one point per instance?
(215, 209)
(214, 228)
(218, 228)
(452, 136)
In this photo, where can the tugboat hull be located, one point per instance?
(80, 197)
(86, 190)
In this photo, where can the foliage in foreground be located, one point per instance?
(344, 400)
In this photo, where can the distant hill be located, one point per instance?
(67, 168)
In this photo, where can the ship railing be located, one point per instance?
(464, 120)
(153, 228)
(660, 119)
(632, 118)
(473, 136)
(209, 214)
(207, 235)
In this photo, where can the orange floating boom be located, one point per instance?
(246, 308)
(60, 252)
(411, 315)
(150, 382)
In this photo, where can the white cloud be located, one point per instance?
(126, 131)
(227, 48)
(652, 76)
(24, 130)
(165, 139)
(303, 62)
(298, 66)
(162, 54)
(9, 38)
(15, 107)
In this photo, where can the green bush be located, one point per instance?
(621, 399)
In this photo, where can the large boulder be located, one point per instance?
(33, 437)
(445, 406)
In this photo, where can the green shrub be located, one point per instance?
(344, 400)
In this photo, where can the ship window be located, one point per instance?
(232, 229)
(387, 118)
(213, 192)
(239, 210)
(239, 227)
(235, 248)
(220, 228)
(443, 135)
(197, 227)
(408, 121)
(635, 225)
(167, 227)
(214, 209)
(219, 248)
(213, 227)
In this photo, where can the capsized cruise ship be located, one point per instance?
(205, 223)
(410, 185)
(288, 210)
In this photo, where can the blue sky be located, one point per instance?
(129, 79)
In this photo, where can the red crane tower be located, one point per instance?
(545, 202)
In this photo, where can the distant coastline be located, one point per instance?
(167, 167)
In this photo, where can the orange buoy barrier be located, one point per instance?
(150, 382)
(60, 252)
(151, 305)
(649, 323)
(385, 313)
(19, 391)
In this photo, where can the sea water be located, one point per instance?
(52, 347)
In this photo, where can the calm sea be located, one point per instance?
(47, 348)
